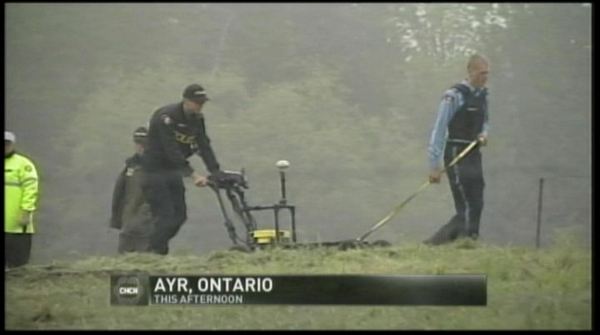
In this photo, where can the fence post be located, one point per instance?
(539, 213)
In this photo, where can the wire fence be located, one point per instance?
(532, 209)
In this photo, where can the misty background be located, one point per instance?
(347, 93)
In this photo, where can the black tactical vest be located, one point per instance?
(468, 121)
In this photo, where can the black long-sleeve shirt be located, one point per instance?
(173, 138)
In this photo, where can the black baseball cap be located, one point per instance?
(195, 93)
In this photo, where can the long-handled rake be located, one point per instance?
(397, 209)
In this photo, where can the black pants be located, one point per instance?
(165, 193)
(17, 249)
(467, 184)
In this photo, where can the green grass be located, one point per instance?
(548, 288)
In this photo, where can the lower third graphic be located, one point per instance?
(130, 289)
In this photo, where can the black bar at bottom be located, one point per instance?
(438, 290)
(375, 290)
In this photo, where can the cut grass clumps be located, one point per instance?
(548, 288)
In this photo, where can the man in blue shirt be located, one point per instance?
(462, 118)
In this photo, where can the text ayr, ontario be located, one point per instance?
(191, 285)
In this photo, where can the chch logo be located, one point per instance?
(127, 290)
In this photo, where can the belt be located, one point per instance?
(458, 141)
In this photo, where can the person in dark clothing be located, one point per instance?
(463, 116)
(130, 210)
(176, 132)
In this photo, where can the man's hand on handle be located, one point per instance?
(199, 180)
(482, 140)
(435, 176)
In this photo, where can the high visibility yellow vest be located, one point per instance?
(21, 190)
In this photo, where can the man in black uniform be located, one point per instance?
(463, 115)
(176, 132)
(130, 210)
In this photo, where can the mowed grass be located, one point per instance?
(549, 288)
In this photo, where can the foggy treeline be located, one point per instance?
(347, 93)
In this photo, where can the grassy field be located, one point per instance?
(548, 288)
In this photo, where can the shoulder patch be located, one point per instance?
(166, 119)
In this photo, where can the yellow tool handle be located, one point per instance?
(397, 209)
